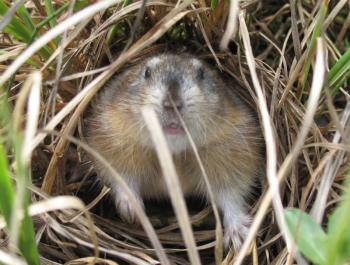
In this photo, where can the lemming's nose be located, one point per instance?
(170, 102)
(173, 97)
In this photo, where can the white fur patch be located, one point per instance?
(190, 90)
(236, 220)
(156, 94)
(154, 61)
(196, 63)
(122, 202)
(177, 143)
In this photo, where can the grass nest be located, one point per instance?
(312, 155)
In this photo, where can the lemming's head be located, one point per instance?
(177, 88)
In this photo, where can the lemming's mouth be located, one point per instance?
(173, 128)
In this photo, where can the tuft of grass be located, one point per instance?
(15, 27)
(22, 27)
(14, 200)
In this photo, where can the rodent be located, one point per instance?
(225, 130)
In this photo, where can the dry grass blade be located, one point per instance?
(33, 117)
(6, 258)
(18, 112)
(68, 234)
(56, 203)
(53, 204)
(340, 5)
(91, 260)
(268, 133)
(315, 92)
(83, 74)
(330, 171)
(66, 202)
(127, 10)
(11, 52)
(295, 33)
(232, 24)
(103, 193)
(172, 182)
(63, 45)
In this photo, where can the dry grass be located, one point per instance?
(272, 60)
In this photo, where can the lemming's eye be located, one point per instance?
(147, 72)
(200, 74)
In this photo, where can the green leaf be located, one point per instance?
(339, 236)
(339, 231)
(309, 236)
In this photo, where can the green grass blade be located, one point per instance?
(7, 193)
(48, 19)
(81, 4)
(25, 16)
(213, 4)
(340, 82)
(27, 243)
(340, 69)
(126, 2)
(111, 33)
(50, 13)
(312, 44)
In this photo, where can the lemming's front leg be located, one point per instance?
(123, 204)
(236, 219)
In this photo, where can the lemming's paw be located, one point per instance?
(125, 208)
(236, 230)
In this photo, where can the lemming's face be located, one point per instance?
(167, 82)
